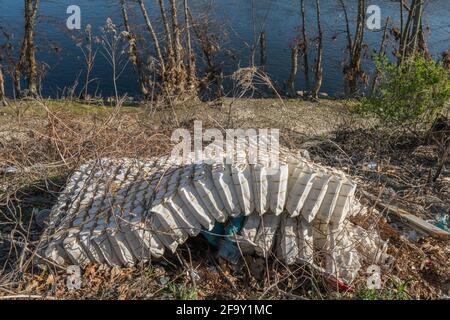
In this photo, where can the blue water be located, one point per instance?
(235, 20)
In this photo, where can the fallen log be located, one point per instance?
(411, 219)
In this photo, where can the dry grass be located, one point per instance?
(46, 140)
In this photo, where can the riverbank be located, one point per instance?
(41, 142)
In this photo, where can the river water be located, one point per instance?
(236, 21)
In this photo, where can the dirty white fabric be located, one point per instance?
(242, 179)
(278, 188)
(288, 248)
(302, 180)
(305, 241)
(315, 196)
(329, 201)
(223, 181)
(250, 228)
(124, 211)
(343, 202)
(204, 184)
(265, 238)
(260, 186)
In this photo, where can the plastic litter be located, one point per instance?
(124, 211)
(443, 222)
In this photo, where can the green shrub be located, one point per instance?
(182, 292)
(396, 289)
(414, 92)
(372, 294)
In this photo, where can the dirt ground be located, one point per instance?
(44, 141)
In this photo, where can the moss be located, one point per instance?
(34, 109)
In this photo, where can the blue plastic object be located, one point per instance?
(227, 247)
(215, 234)
(221, 237)
(443, 222)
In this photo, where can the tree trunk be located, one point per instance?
(412, 39)
(319, 70)
(167, 32)
(401, 23)
(26, 62)
(262, 50)
(192, 82)
(353, 70)
(446, 59)
(152, 32)
(30, 19)
(290, 83)
(417, 24)
(176, 32)
(2, 88)
(381, 52)
(423, 47)
(19, 68)
(305, 39)
(133, 52)
(214, 72)
(405, 37)
(359, 37)
(347, 26)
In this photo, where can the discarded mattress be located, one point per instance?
(124, 211)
